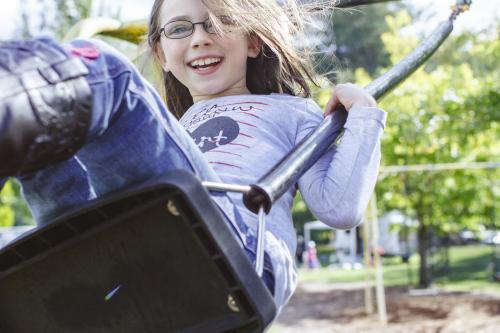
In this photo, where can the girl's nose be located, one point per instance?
(200, 37)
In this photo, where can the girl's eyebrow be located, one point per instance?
(181, 18)
(177, 18)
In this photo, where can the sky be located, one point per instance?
(483, 13)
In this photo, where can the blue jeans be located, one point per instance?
(132, 138)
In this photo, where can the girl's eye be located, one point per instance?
(177, 29)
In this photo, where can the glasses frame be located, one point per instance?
(204, 24)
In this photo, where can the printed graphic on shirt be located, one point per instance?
(212, 111)
(216, 132)
(223, 131)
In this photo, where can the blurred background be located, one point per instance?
(433, 222)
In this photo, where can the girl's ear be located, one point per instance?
(254, 46)
(160, 57)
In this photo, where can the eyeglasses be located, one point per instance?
(182, 28)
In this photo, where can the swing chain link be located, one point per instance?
(460, 7)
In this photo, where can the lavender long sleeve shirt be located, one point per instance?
(244, 136)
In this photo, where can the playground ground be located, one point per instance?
(464, 300)
(339, 307)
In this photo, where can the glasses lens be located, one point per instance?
(227, 21)
(209, 26)
(226, 24)
(178, 29)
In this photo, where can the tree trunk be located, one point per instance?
(423, 244)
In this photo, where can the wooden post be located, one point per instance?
(379, 275)
(367, 264)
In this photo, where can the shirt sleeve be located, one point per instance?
(337, 187)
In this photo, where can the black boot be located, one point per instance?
(45, 106)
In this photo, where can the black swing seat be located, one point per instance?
(155, 258)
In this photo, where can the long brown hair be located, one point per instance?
(280, 67)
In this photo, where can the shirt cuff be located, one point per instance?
(367, 113)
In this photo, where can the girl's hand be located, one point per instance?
(349, 95)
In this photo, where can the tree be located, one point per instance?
(56, 17)
(447, 112)
(353, 41)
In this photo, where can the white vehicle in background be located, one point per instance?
(397, 237)
(491, 237)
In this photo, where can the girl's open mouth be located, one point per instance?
(206, 66)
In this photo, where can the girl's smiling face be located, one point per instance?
(209, 65)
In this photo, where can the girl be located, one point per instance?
(239, 87)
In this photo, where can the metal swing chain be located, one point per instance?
(261, 231)
(460, 7)
(261, 242)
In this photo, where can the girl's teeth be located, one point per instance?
(205, 62)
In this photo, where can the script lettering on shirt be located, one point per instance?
(216, 139)
(215, 132)
(215, 110)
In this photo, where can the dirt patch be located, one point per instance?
(325, 308)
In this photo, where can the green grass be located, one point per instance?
(470, 270)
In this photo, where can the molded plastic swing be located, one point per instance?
(158, 258)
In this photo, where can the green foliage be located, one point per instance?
(133, 32)
(449, 114)
(13, 209)
(56, 17)
(357, 39)
(301, 214)
(70, 12)
(6, 212)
